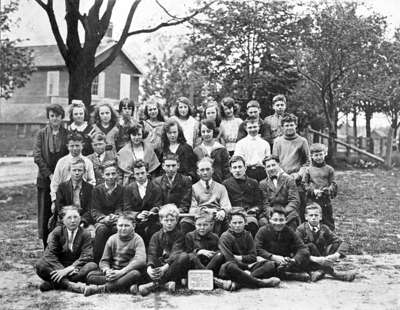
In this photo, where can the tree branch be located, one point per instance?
(54, 28)
(165, 10)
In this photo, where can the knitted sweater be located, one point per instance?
(129, 253)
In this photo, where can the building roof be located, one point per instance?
(50, 56)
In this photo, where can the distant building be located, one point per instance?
(49, 84)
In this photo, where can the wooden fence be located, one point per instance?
(360, 145)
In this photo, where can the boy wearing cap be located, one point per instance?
(274, 121)
(324, 245)
(319, 183)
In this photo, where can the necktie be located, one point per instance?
(207, 185)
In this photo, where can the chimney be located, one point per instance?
(109, 31)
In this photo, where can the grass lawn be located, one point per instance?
(366, 210)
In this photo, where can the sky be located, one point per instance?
(33, 25)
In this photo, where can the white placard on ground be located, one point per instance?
(200, 280)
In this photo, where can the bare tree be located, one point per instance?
(79, 56)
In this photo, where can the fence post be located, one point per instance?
(388, 158)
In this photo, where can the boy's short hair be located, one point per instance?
(203, 214)
(253, 104)
(278, 208)
(170, 156)
(78, 160)
(237, 213)
(126, 102)
(65, 209)
(205, 159)
(235, 159)
(279, 98)
(75, 136)
(168, 209)
(98, 137)
(56, 109)
(251, 119)
(140, 163)
(317, 147)
(128, 215)
(270, 157)
(313, 206)
(289, 118)
(108, 164)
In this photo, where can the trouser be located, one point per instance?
(260, 270)
(201, 262)
(103, 232)
(256, 172)
(327, 213)
(178, 269)
(119, 285)
(314, 251)
(147, 229)
(44, 270)
(44, 213)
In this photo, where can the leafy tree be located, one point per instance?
(243, 46)
(15, 62)
(334, 41)
(79, 56)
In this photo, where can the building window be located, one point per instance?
(53, 79)
(95, 86)
(98, 85)
(125, 86)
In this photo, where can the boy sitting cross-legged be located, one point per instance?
(241, 267)
(202, 246)
(278, 243)
(167, 261)
(123, 260)
(324, 245)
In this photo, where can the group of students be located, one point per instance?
(219, 199)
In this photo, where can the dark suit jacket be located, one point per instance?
(104, 204)
(65, 197)
(244, 193)
(285, 243)
(285, 193)
(187, 160)
(98, 165)
(194, 242)
(322, 239)
(179, 192)
(41, 154)
(57, 253)
(150, 202)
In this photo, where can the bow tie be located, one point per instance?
(273, 177)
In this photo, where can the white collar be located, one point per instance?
(108, 188)
(144, 185)
(82, 127)
(312, 227)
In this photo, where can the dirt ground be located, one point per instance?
(367, 213)
(376, 287)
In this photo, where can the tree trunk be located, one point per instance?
(355, 124)
(80, 82)
(368, 117)
(332, 126)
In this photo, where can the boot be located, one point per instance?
(94, 289)
(75, 287)
(224, 284)
(296, 276)
(170, 286)
(134, 289)
(344, 276)
(146, 289)
(270, 282)
(235, 286)
(317, 275)
(46, 286)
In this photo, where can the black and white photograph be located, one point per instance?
(199, 154)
